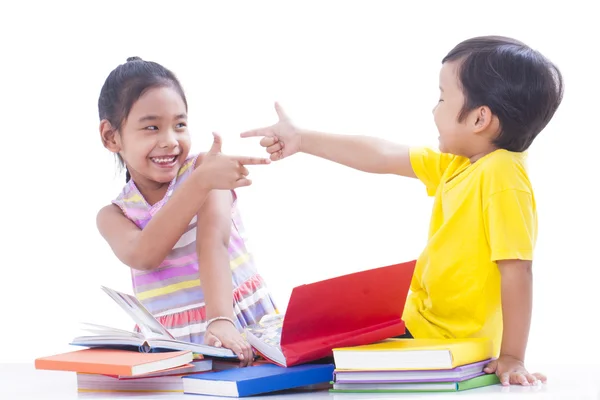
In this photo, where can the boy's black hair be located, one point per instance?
(126, 84)
(519, 85)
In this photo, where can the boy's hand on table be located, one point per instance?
(511, 371)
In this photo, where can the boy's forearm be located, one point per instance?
(517, 284)
(364, 153)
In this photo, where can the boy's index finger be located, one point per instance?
(252, 160)
(262, 132)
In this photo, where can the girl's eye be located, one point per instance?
(181, 125)
(151, 128)
(440, 100)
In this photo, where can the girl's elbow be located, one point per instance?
(141, 261)
(144, 267)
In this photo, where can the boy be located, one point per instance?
(474, 277)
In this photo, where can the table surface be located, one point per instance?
(24, 382)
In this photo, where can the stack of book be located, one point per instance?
(413, 365)
(108, 370)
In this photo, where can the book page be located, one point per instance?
(268, 330)
(108, 331)
(148, 325)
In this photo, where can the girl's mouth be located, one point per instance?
(166, 161)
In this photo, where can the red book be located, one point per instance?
(350, 310)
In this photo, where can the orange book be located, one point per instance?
(114, 362)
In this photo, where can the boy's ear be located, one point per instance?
(109, 136)
(484, 120)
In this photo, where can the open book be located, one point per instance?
(153, 337)
(349, 310)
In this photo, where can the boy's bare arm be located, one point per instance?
(517, 284)
(368, 154)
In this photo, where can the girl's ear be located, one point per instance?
(109, 136)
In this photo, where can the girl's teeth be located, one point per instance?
(164, 160)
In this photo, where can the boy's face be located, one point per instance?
(454, 136)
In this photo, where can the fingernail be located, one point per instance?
(217, 344)
(241, 356)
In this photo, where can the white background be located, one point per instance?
(369, 67)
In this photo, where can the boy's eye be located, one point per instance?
(151, 128)
(181, 125)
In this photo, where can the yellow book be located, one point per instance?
(413, 354)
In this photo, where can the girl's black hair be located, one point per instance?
(126, 84)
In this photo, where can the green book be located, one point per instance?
(473, 383)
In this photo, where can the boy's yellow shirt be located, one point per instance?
(482, 213)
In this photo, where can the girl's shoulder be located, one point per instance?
(128, 193)
(130, 201)
(188, 167)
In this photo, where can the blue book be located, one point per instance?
(249, 381)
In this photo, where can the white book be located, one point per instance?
(152, 336)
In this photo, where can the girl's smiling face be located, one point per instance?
(154, 140)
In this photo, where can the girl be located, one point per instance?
(183, 241)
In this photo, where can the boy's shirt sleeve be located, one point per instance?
(511, 223)
(429, 166)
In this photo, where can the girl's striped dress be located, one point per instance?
(173, 292)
